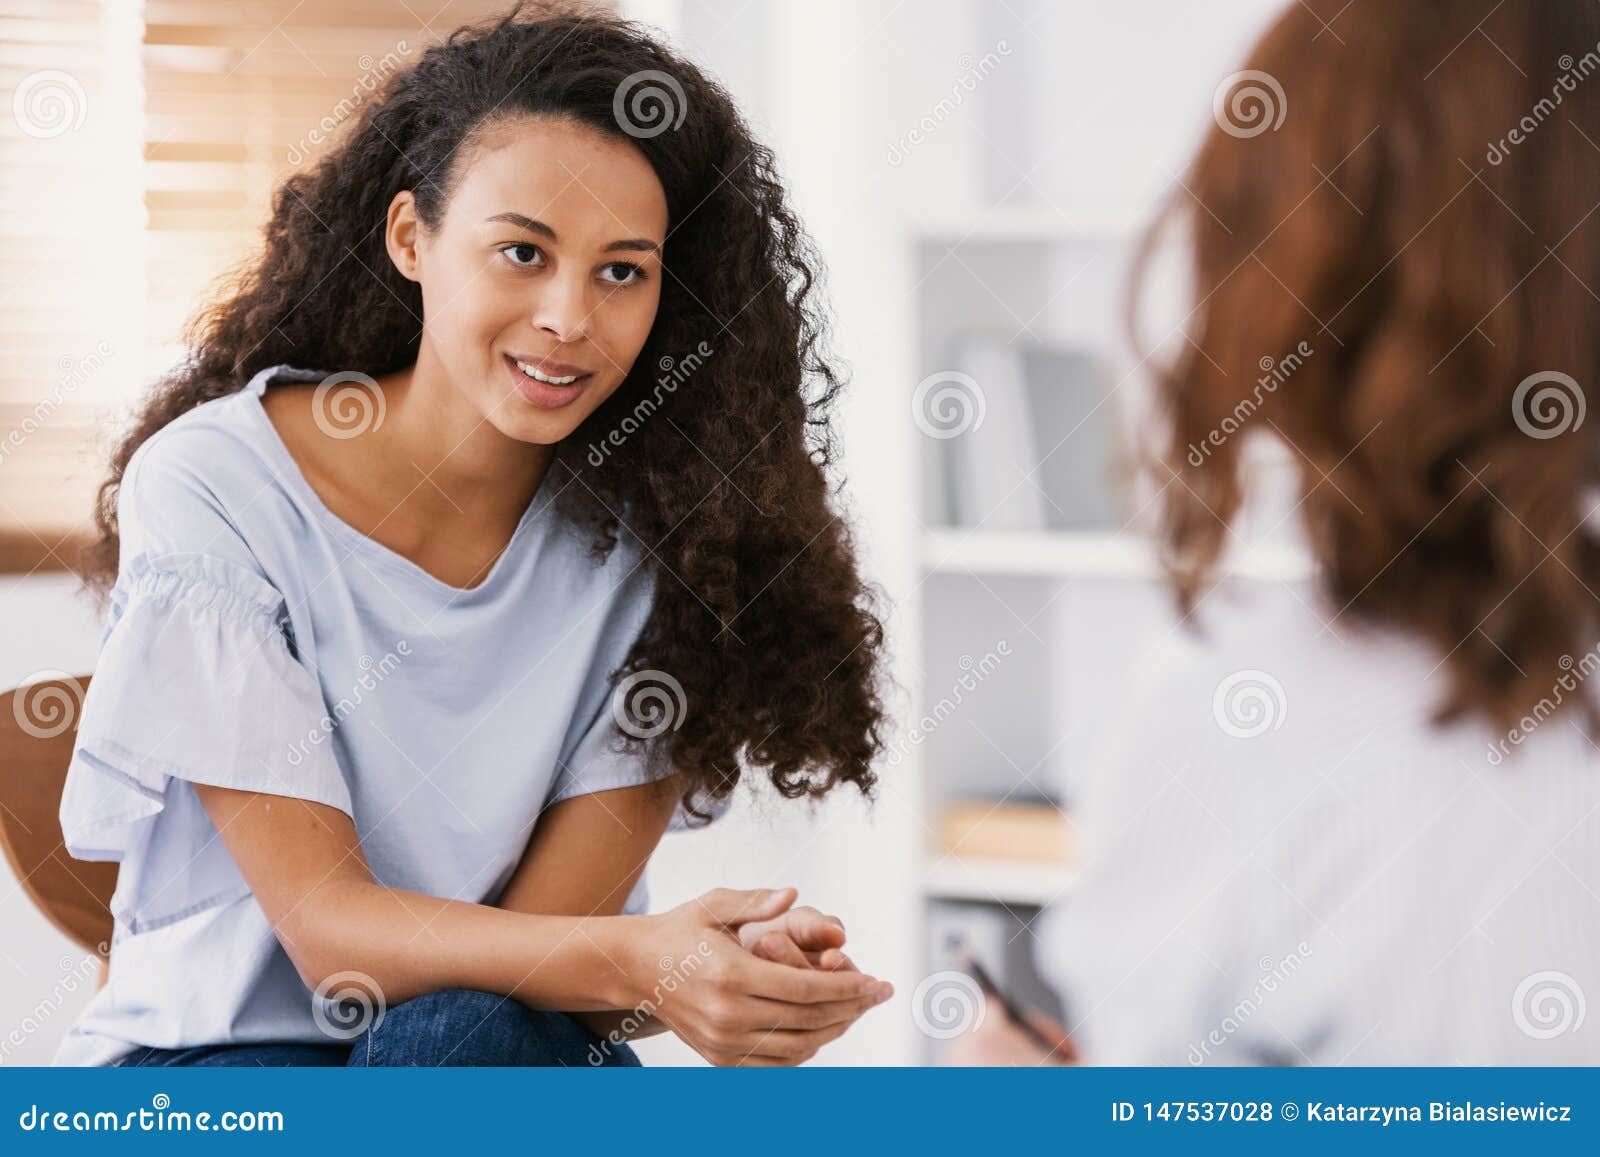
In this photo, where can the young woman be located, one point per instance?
(485, 529)
(1368, 829)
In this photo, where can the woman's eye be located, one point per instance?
(623, 273)
(533, 254)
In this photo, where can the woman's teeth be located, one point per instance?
(546, 378)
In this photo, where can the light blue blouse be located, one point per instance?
(257, 641)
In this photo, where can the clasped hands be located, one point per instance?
(746, 978)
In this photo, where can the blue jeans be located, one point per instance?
(455, 1027)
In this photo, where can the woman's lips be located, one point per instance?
(545, 395)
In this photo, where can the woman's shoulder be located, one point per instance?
(213, 440)
(206, 470)
(1248, 663)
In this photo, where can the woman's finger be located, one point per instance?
(787, 1044)
(758, 1015)
(779, 949)
(834, 961)
(779, 982)
(813, 930)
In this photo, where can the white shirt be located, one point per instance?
(256, 641)
(1285, 862)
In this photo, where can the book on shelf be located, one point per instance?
(992, 458)
(1033, 451)
(1024, 833)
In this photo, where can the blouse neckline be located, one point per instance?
(393, 559)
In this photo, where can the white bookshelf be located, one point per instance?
(1014, 213)
(1039, 265)
(1006, 882)
(1088, 554)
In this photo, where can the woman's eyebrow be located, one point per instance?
(641, 244)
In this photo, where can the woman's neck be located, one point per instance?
(446, 457)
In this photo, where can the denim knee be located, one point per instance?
(467, 1028)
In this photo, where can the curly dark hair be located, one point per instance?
(760, 615)
(1411, 252)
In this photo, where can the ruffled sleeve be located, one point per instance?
(197, 679)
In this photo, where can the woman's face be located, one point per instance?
(542, 281)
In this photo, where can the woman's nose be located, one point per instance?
(563, 311)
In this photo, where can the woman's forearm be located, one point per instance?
(411, 944)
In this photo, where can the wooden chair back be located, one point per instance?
(38, 724)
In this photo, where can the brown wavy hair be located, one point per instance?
(1408, 190)
(760, 614)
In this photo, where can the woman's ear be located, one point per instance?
(401, 235)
